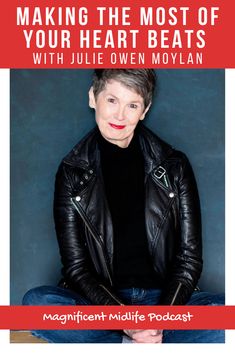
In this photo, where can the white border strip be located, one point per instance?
(4, 182)
(230, 194)
(230, 256)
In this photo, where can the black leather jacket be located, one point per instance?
(84, 226)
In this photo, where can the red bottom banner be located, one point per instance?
(117, 317)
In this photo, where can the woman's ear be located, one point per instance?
(145, 111)
(92, 102)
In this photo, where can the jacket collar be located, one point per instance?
(86, 153)
(154, 149)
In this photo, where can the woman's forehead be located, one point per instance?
(121, 91)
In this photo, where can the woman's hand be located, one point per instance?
(145, 336)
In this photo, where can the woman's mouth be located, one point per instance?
(118, 127)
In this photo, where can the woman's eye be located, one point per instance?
(111, 100)
(133, 106)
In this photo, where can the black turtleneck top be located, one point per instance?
(123, 174)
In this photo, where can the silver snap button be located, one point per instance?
(81, 182)
(86, 176)
(91, 171)
(171, 194)
(78, 198)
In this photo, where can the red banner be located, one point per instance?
(117, 317)
(86, 34)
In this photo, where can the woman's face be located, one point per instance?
(118, 110)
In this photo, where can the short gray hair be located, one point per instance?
(142, 81)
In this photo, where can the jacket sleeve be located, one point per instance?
(187, 265)
(77, 267)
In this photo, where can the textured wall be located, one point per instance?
(49, 114)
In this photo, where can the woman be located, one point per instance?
(127, 217)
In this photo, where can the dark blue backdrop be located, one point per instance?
(50, 113)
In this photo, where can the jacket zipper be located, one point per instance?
(111, 295)
(176, 293)
(98, 240)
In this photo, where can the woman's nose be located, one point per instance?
(120, 113)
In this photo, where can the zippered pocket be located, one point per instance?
(111, 295)
(93, 233)
(176, 293)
